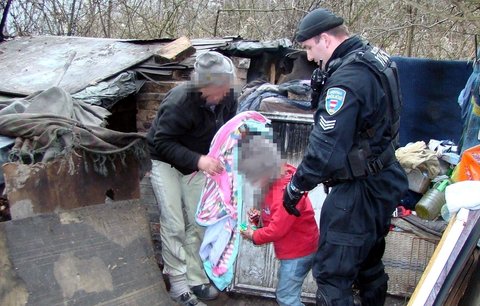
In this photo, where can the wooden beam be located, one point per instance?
(455, 240)
(463, 281)
(175, 51)
(438, 260)
(273, 73)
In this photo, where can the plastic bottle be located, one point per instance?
(464, 194)
(432, 201)
(445, 213)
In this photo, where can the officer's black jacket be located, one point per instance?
(184, 127)
(335, 133)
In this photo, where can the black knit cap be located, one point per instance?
(316, 22)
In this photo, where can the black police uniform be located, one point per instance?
(352, 118)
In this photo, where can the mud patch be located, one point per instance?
(74, 274)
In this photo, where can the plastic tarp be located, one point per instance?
(107, 93)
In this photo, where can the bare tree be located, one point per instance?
(4, 18)
(441, 29)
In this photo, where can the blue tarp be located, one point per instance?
(430, 90)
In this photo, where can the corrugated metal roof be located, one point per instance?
(29, 64)
(212, 43)
(35, 63)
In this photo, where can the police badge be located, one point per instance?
(334, 100)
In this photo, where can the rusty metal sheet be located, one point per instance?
(30, 64)
(212, 43)
(66, 183)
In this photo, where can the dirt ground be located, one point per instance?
(235, 299)
(240, 299)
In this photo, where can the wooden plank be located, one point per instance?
(273, 72)
(13, 290)
(460, 246)
(175, 51)
(95, 255)
(458, 261)
(417, 293)
(440, 265)
(472, 296)
(463, 281)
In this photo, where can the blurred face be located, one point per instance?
(214, 94)
(261, 182)
(318, 48)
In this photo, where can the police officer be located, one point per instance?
(351, 150)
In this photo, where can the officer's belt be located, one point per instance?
(373, 166)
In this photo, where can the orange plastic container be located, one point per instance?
(468, 169)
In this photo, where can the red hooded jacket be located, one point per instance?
(292, 236)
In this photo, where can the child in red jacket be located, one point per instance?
(295, 239)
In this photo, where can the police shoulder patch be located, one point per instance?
(334, 100)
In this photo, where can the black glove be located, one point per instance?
(291, 197)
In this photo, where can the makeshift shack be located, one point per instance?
(72, 163)
(73, 154)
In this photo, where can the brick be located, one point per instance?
(143, 127)
(161, 86)
(149, 104)
(141, 116)
(149, 96)
(145, 115)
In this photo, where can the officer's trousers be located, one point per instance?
(354, 221)
(177, 196)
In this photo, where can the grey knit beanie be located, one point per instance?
(212, 68)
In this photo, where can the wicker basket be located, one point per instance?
(406, 257)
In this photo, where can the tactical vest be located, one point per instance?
(362, 161)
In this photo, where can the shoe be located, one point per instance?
(188, 299)
(205, 292)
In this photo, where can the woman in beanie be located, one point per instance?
(179, 140)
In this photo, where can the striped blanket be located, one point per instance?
(220, 206)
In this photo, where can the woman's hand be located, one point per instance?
(210, 165)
